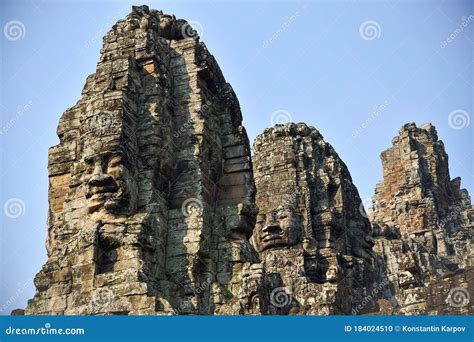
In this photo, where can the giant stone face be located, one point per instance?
(278, 227)
(107, 182)
(108, 170)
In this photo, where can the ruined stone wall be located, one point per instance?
(422, 224)
(416, 192)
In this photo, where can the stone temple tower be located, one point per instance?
(156, 207)
(313, 239)
(151, 194)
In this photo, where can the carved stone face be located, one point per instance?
(277, 228)
(108, 183)
(332, 274)
(166, 23)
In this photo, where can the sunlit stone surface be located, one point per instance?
(157, 208)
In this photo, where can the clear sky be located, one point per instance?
(356, 70)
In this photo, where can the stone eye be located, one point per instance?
(88, 165)
(115, 161)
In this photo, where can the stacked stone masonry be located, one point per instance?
(156, 206)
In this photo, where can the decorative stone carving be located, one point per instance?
(152, 202)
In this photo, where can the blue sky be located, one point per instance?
(356, 70)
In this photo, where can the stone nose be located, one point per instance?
(99, 178)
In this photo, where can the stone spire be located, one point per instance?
(416, 192)
(422, 224)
